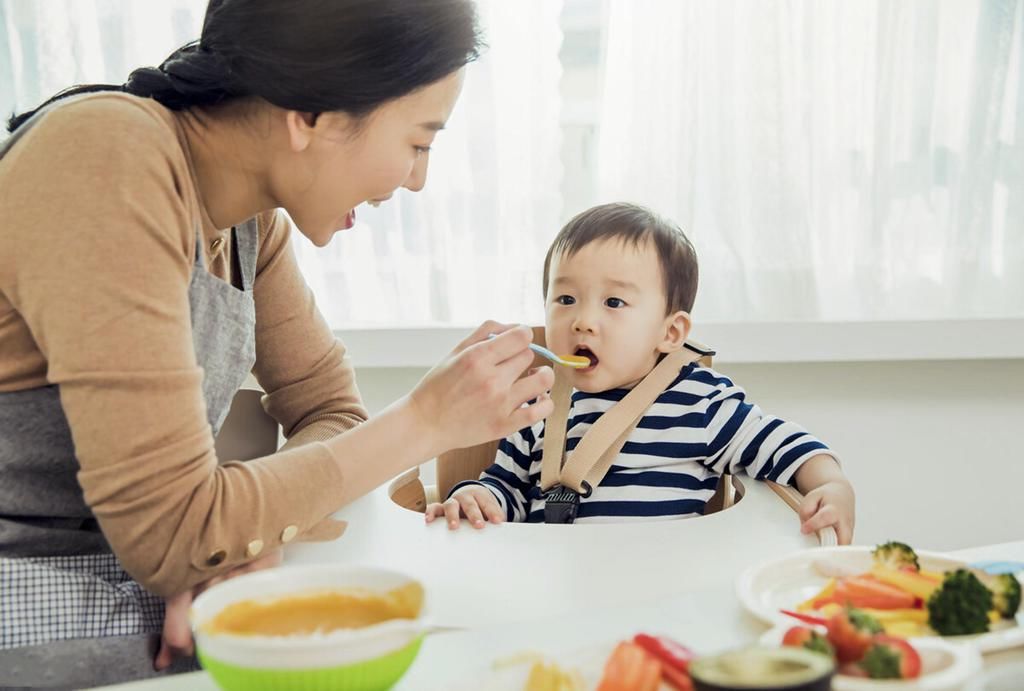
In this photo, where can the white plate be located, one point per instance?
(783, 583)
(945, 666)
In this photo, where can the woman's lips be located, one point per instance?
(350, 220)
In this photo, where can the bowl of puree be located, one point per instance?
(316, 628)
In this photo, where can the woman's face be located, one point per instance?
(337, 163)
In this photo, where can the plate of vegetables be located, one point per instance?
(911, 595)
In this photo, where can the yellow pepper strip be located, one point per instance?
(912, 583)
(994, 617)
(916, 616)
(933, 575)
(905, 629)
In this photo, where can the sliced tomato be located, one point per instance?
(630, 668)
(884, 651)
(851, 637)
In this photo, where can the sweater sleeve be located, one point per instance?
(306, 372)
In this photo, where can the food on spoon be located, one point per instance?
(960, 605)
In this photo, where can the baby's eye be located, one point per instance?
(565, 300)
(615, 302)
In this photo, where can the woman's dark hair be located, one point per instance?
(309, 55)
(634, 225)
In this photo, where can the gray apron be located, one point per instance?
(69, 614)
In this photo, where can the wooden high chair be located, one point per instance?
(466, 464)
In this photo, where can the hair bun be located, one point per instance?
(190, 76)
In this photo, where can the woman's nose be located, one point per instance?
(418, 176)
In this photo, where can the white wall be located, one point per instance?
(933, 448)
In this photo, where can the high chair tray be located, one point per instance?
(519, 572)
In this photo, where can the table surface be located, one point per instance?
(559, 589)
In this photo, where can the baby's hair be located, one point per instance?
(634, 224)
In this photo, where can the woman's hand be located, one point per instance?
(478, 393)
(176, 638)
(477, 503)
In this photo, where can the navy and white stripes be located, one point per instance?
(699, 427)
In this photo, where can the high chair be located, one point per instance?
(458, 465)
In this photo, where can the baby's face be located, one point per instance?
(607, 302)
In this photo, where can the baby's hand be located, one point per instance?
(474, 502)
(831, 504)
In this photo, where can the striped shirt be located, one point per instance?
(700, 427)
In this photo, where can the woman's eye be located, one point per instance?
(565, 300)
(615, 302)
(420, 150)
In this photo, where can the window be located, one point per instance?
(831, 160)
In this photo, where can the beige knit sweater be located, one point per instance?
(98, 211)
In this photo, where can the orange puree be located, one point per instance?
(320, 611)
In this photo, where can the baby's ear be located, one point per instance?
(677, 330)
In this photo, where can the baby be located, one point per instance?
(619, 285)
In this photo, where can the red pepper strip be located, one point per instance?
(668, 652)
(806, 618)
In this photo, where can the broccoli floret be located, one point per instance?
(1005, 590)
(881, 662)
(896, 555)
(820, 644)
(960, 605)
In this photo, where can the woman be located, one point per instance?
(145, 273)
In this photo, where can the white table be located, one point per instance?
(510, 584)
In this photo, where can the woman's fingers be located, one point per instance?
(176, 636)
(481, 333)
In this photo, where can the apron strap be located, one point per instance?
(599, 447)
(246, 240)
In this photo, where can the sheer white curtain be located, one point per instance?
(47, 46)
(831, 160)
(467, 248)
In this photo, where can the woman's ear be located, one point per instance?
(677, 330)
(300, 127)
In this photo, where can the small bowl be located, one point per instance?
(364, 659)
(793, 669)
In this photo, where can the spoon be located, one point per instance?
(574, 361)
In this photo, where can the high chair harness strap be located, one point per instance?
(564, 482)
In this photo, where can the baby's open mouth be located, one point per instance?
(584, 351)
